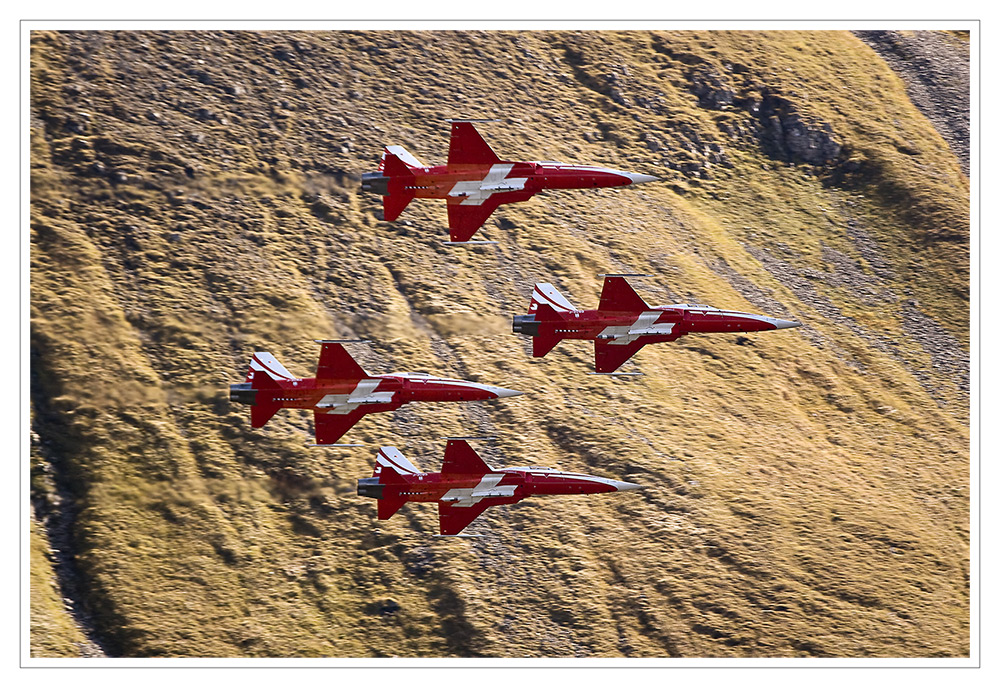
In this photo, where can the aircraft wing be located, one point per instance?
(336, 364)
(618, 295)
(465, 219)
(331, 427)
(467, 147)
(609, 357)
(453, 519)
(459, 457)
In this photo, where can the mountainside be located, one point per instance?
(195, 199)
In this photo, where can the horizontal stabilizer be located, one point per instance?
(261, 413)
(459, 457)
(618, 295)
(543, 344)
(394, 204)
(387, 506)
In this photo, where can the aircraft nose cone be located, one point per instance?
(621, 485)
(641, 178)
(501, 392)
(784, 324)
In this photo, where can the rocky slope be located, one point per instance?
(194, 198)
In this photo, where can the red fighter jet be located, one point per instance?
(342, 392)
(623, 323)
(466, 486)
(475, 181)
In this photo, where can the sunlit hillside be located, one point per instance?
(195, 199)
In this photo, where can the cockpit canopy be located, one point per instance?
(691, 306)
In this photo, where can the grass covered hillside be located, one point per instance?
(195, 198)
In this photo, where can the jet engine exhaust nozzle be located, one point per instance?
(243, 393)
(375, 182)
(370, 487)
(526, 324)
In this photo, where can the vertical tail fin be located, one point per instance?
(403, 155)
(393, 471)
(391, 462)
(546, 294)
(268, 367)
(400, 178)
(266, 375)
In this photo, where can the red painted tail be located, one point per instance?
(387, 506)
(394, 471)
(548, 319)
(262, 412)
(266, 375)
(400, 177)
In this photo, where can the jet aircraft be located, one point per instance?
(476, 181)
(623, 323)
(342, 392)
(467, 486)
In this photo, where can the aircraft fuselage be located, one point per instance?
(660, 323)
(375, 392)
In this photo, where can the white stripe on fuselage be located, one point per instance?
(643, 325)
(552, 473)
(487, 487)
(476, 191)
(363, 393)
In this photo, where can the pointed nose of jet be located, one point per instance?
(621, 485)
(502, 392)
(641, 178)
(784, 324)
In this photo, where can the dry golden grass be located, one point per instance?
(806, 490)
